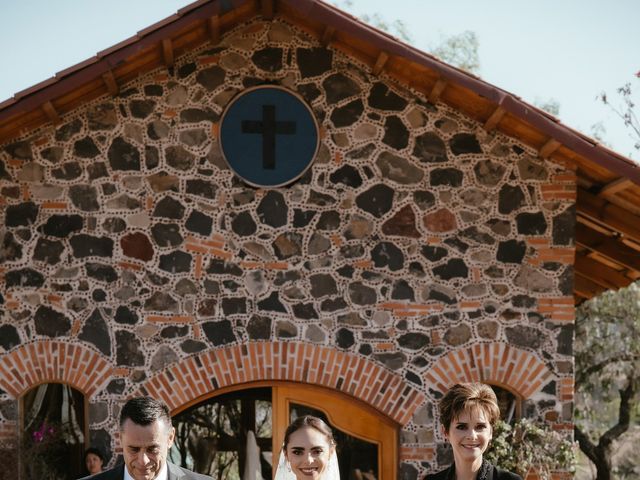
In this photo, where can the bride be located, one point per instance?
(308, 452)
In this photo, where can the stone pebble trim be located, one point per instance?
(417, 246)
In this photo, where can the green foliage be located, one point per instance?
(45, 452)
(529, 444)
(395, 27)
(625, 109)
(460, 50)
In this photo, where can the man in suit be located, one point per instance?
(146, 435)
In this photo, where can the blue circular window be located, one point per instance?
(268, 136)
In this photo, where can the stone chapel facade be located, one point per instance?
(417, 251)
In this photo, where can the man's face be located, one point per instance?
(145, 448)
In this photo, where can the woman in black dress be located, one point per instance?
(468, 412)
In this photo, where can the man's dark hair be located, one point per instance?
(144, 411)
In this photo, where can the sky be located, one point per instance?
(567, 50)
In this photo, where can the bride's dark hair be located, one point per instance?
(308, 421)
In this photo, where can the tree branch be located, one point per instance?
(624, 417)
(586, 445)
(583, 374)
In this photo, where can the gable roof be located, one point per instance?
(608, 197)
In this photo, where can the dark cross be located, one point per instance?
(269, 128)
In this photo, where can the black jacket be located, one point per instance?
(174, 473)
(495, 474)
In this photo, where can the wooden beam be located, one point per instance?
(493, 121)
(612, 216)
(267, 8)
(548, 148)
(51, 112)
(616, 186)
(608, 247)
(167, 52)
(213, 25)
(437, 90)
(327, 35)
(380, 62)
(599, 273)
(110, 81)
(585, 288)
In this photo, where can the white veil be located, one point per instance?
(283, 471)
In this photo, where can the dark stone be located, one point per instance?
(178, 158)
(302, 218)
(347, 175)
(202, 188)
(402, 291)
(510, 199)
(10, 249)
(99, 295)
(85, 148)
(219, 333)
(454, 268)
(402, 224)
(207, 307)
(321, 199)
(166, 234)
(448, 177)
(398, 169)
(52, 154)
(126, 316)
(161, 302)
(20, 150)
(322, 284)
(305, 311)
(141, 108)
(101, 272)
(259, 328)
(151, 157)
(51, 323)
(243, 224)
(429, 148)
(462, 143)
(157, 129)
(333, 304)
(102, 117)
(424, 199)
(523, 301)
(128, 351)
(288, 245)
(524, 336)
(21, 215)
(565, 282)
(84, 197)
(192, 346)
(196, 115)
(565, 340)
(169, 207)
(195, 137)
(272, 304)
(84, 245)
(347, 114)
(457, 335)
(338, 87)
(211, 78)
(313, 61)
(309, 91)
(531, 223)
(457, 244)
(382, 98)
(221, 267)
(9, 337)
(563, 226)
(377, 200)
(4, 175)
(413, 341)
(285, 329)
(329, 220)
(444, 454)
(67, 171)
(97, 170)
(62, 225)
(386, 254)
(511, 251)
(68, 130)
(231, 306)
(176, 262)
(96, 332)
(137, 245)
(268, 59)
(273, 210)
(361, 294)
(116, 386)
(153, 90)
(123, 156)
(489, 173)
(199, 223)
(396, 134)
(48, 251)
(361, 152)
(187, 69)
(345, 338)
(474, 234)
(393, 361)
(432, 253)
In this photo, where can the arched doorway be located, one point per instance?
(213, 431)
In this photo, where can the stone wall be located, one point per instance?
(417, 243)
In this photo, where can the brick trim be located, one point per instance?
(519, 370)
(47, 361)
(194, 377)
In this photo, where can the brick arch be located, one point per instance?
(519, 370)
(185, 381)
(48, 361)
